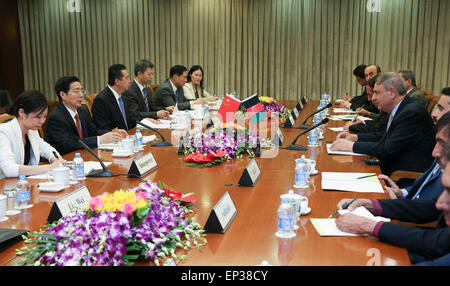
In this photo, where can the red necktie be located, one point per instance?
(77, 120)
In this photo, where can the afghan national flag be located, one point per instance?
(255, 109)
(228, 108)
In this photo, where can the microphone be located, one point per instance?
(303, 126)
(96, 173)
(164, 142)
(293, 146)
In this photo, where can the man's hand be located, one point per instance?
(123, 133)
(342, 145)
(162, 114)
(355, 224)
(110, 137)
(362, 111)
(347, 136)
(393, 190)
(356, 204)
(170, 109)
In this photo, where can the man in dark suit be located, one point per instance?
(170, 92)
(428, 185)
(411, 90)
(110, 110)
(443, 105)
(408, 140)
(139, 95)
(68, 122)
(427, 243)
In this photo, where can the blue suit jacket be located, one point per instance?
(442, 261)
(432, 189)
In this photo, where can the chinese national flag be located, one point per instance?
(228, 108)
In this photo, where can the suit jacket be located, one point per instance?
(406, 145)
(61, 131)
(419, 96)
(442, 261)
(376, 125)
(363, 99)
(106, 112)
(431, 190)
(137, 104)
(430, 243)
(189, 93)
(12, 148)
(165, 96)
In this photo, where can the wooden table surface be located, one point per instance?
(250, 238)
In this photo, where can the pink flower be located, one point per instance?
(127, 209)
(140, 196)
(96, 204)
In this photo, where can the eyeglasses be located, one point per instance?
(79, 91)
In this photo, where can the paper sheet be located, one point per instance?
(349, 182)
(331, 152)
(88, 166)
(327, 226)
(343, 110)
(337, 129)
(349, 117)
(165, 124)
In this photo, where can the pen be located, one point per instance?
(343, 207)
(372, 175)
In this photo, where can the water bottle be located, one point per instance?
(139, 140)
(286, 219)
(313, 137)
(78, 168)
(234, 93)
(23, 193)
(187, 115)
(301, 174)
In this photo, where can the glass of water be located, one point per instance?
(11, 200)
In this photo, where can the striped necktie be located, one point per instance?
(146, 93)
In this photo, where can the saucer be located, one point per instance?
(305, 212)
(51, 187)
(121, 153)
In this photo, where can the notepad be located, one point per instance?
(349, 182)
(349, 117)
(337, 129)
(343, 110)
(335, 152)
(327, 226)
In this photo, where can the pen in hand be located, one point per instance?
(343, 207)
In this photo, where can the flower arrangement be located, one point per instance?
(271, 106)
(116, 229)
(216, 145)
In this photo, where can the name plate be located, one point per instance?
(289, 122)
(295, 113)
(142, 166)
(67, 205)
(221, 215)
(250, 175)
(299, 106)
(278, 138)
(304, 100)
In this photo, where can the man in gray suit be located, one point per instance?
(139, 95)
(170, 92)
(411, 90)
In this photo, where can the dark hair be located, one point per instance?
(30, 101)
(177, 70)
(191, 71)
(115, 72)
(408, 74)
(142, 66)
(444, 122)
(359, 71)
(446, 91)
(63, 84)
(372, 81)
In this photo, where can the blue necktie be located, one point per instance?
(122, 110)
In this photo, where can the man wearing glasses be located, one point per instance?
(68, 121)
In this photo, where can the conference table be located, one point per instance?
(250, 238)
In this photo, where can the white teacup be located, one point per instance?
(180, 120)
(127, 145)
(61, 175)
(3, 216)
(304, 205)
(312, 166)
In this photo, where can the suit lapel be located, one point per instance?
(402, 105)
(68, 118)
(117, 114)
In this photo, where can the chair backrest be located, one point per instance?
(153, 88)
(432, 101)
(90, 98)
(5, 117)
(87, 105)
